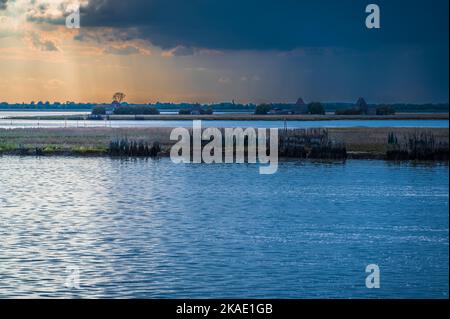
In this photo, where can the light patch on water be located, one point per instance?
(147, 228)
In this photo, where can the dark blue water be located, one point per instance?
(150, 228)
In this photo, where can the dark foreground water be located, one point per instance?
(150, 228)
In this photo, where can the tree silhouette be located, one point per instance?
(119, 97)
(316, 108)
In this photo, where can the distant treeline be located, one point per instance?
(236, 107)
(418, 108)
(398, 107)
(47, 106)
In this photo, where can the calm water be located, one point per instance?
(15, 113)
(150, 228)
(5, 123)
(5, 114)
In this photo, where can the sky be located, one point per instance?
(250, 51)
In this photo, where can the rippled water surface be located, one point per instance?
(150, 228)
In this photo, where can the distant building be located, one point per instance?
(300, 107)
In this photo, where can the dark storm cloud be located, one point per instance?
(270, 24)
(3, 4)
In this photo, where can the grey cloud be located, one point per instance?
(3, 4)
(105, 35)
(48, 46)
(181, 51)
(128, 50)
(266, 24)
(43, 45)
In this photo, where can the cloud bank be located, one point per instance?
(3, 4)
(270, 25)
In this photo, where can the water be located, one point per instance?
(150, 228)
(5, 123)
(176, 112)
(15, 113)
(6, 114)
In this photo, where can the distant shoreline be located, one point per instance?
(46, 110)
(243, 117)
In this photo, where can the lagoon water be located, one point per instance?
(12, 113)
(150, 228)
(11, 124)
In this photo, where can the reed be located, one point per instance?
(416, 146)
(139, 148)
(355, 142)
(310, 143)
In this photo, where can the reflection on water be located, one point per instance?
(150, 228)
(10, 124)
(6, 114)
